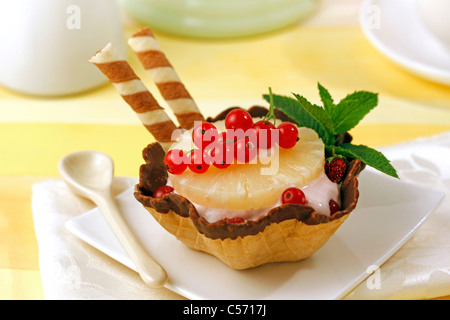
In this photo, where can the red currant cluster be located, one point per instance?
(240, 142)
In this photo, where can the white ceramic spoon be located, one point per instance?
(89, 174)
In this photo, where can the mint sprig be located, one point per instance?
(333, 120)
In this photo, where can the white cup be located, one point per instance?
(435, 15)
(46, 44)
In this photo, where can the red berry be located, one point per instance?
(245, 150)
(334, 207)
(222, 138)
(288, 135)
(222, 155)
(234, 220)
(264, 136)
(238, 119)
(293, 195)
(162, 191)
(200, 161)
(335, 168)
(176, 161)
(204, 134)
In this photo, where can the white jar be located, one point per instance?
(46, 44)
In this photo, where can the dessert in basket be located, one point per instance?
(267, 184)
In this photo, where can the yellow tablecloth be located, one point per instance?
(36, 132)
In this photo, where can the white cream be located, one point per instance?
(318, 194)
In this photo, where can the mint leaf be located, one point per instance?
(352, 109)
(320, 118)
(306, 114)
(369, 156)
(326, 98)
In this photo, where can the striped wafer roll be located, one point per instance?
(134, 92)
(165, 77)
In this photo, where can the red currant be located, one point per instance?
(222, 155)
(293, 195)
(204, 135)
(200, 161)
(162, 191)
(238, 119)
(264, 130)
(334, 207)
(245, 150)
(234, 220)
(288, 135)
(176, 161)
(225, 137)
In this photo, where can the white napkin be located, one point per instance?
(421, 268)
(71, 269)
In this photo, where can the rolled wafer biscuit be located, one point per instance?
(134, 92)
(165, 77)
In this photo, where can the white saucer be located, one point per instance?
(401, 36)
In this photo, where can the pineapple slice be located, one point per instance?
(253, 185)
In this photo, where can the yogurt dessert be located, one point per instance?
(249, 187)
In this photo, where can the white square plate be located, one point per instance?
(388, 213)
